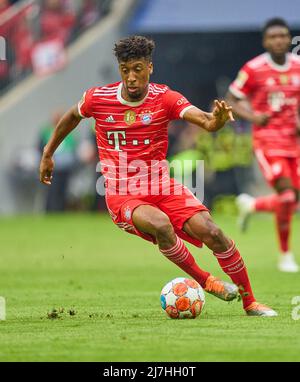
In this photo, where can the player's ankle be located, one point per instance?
(247, 301)
(248, 305)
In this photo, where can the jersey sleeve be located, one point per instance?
(176, 104)
(243, 85)
(85, 105)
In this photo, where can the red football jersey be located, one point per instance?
(132, 137)
(275, 90)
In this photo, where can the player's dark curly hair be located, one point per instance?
(134, 47)
(276, 21)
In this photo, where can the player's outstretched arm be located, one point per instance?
(67, 123)
(242, 108)
(210, 121)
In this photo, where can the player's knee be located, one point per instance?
(213, 234)
(288, 196)
(163, 228)
(282, 185)
(216, 233)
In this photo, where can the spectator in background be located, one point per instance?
(5, 23)
(57, 21)
(184, 161)
(4, 5)
(88, 155)
(23, 42)
(19, 42)
(89, 13)
(4, 29)
(65, 158)
(173, 133)
(36, 34)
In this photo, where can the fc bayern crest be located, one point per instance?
(127, 213)
(296, 80)
(146, 118)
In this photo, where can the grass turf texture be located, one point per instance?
(105, 286)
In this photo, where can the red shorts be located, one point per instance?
(274, 167)
(179, 209)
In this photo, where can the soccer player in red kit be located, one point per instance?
(131, 131)
(270, 86)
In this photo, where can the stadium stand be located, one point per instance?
(29, 24)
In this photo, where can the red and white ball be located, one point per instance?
(182, 298)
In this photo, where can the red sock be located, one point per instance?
(181, 256)
(233, 265)
(286, 203)
(266, 203)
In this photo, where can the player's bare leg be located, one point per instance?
(283, 205)
(201, 227)
(153, 221)
(246, 206)
(284, 210)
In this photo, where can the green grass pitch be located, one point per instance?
(105, 285)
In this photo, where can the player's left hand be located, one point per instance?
(46, 170)
(222, 112)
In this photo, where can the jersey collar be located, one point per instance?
(128, 103)
(279, 68)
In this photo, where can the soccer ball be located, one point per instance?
(182, 298)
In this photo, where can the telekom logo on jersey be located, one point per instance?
(117, 138)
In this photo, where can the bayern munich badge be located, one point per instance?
(296, 80)
(127, 213)
(146, 118)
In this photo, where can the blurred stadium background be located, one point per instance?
(56, 49)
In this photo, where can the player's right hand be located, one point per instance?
(261, 119)
(46, 169)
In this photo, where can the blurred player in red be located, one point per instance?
(132, 119)
(270, 86)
